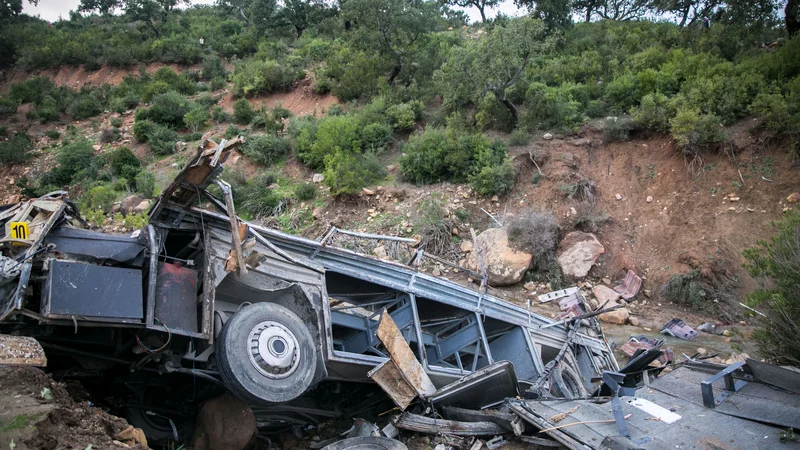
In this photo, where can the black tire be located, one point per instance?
(246, 373)
(366, 443)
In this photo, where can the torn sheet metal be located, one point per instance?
(638, 344)
(679, 329)
(21, 351)
(430, 425)
(402, 376)
(782, 377)
(485, 387)
(657, 412)
(544, 298)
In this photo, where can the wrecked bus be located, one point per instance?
(202, 295)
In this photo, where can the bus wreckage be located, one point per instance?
(200, 300)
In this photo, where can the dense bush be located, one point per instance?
(326, 137)
(305, 191)
(535, 233)
(162, 140)
(167, 109)
(266, 149)
(76, 162)
(405, 115)
(695, 132)
(242, 112)
(259, 76)
(123, 163)
(257, 199)
(435, 155)
(616, 129)
(348, 171)
(778, 261)
(15, 150)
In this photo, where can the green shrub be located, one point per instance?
(376, 137)
(493, 180)
(100, 197)
(115, 122)
(617, 129)
(232, 131)
(145, 183)
(213, 68)
(219, 115)
(336, 110)
(257, 199)
(654, 112)
(242, 112)
(206, 100)
(85, 106)
(777, 260)
(52, 134)
(123, 163)
(405, 115)
(109, 135)
(197, 118)
(162, 140)
(256, 76)
(7, 106)
(305, 192)
(695, 132)
(142, 129)
(548, 107)
(47, 111)
(519, 138)
(424, 159)
(347, 171)
(76, 162)
(166, 109)
(218, 83)
(332, 133)
(596, 108)
(15, 150)
(266, 149)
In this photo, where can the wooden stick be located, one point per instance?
(533, 160)
(581, 423)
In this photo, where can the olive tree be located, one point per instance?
(493, 64)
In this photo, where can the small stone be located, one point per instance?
(606, 280)
(317, 213)
(466, 246)
(647, 329)
(547, 136)
(605, 294)
(618, 317)
(274, 186)
(530, 286)
(495, 198)
(454, 231)
(97, 147)
(366, 191)
(702, 351)
(633, 321)
(743, 323)
(618, 196)
(318, 178)
(731, 209)
(380, 252)
(436, 272)
(648, 293)
(793, 198)
(649, 199)
(726, 333)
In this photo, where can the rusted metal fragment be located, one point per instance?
(485, 387)
(422, 424)
(238, 232)
(390, 378)
(403, 357)
(21, 351)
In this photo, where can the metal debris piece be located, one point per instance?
(637, 344)
(21, 351)
(496, 442)
(430, 425)
(544, 298)
(368, 442)
(679, 329)
(731, 386)
(484, 387)
(708, 327)
(657, 412)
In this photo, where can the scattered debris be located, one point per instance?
(629, 286)
(678, 328)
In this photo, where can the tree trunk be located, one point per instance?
(299, 30)
(511, 108)
(395, 72)
(588, 14)
(792, 13)
(483, 13)
(685, 16)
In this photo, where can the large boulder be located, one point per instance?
(224, 423)
(504, 265)
(577, 253)
(605, 294)
(617, 317)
